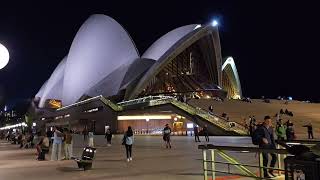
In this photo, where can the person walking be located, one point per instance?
(166, 136)
(280, 130)
(108, 136)
(67, 144)
(128, 140)
(310, 130)
(85, 134)
(266, 140)
(196, 133)
(56, 145)
(206, 133)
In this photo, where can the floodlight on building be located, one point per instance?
(214, 23)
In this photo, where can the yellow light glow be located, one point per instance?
(55, 103)
(144, 117)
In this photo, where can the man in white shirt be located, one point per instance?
(57, 145)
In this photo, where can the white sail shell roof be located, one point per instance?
(53, 89)
(164, 43)
(100, 47)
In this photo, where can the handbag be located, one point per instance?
(124, 140)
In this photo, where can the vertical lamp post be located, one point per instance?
(147, 120)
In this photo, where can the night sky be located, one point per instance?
(275, 45)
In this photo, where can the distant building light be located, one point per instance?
(34, 124)
(67, 115)
(147, 119)
(91, 110)
(58, 117)
(175, 119)
(144, 117)
(43, 118)
(189, 125)
(14, 126)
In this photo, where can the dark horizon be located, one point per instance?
(273, 44)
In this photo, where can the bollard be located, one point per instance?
(213, 168)
(260, 164)
(279, 160)
(205, 170)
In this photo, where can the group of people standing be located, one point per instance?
(263, 136)
(285, 131)
(204, 131)
(61, 138)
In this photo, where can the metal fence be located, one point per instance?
(210, 151)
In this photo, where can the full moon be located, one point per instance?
(4, 56)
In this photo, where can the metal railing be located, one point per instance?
(143, 100)
(107, 102)
(231, 161)
(286, 143)
(217, 120)
(112, 105)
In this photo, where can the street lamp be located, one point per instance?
(147, 120)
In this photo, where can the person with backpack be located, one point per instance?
(290, 131)
(280, 130)
(263, 136)
(166, 136)
(127, 140)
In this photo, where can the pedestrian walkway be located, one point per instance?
(151, 160)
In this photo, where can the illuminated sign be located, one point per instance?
(53, 103)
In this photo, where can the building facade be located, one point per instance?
(104, 61)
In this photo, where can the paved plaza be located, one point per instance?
(151, 160)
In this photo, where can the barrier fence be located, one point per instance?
(210, 152)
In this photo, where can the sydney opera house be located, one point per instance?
(103, 61)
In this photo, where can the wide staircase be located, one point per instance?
(231, 128)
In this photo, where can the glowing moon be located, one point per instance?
(4, 56)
